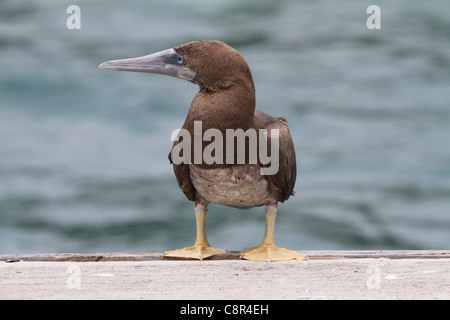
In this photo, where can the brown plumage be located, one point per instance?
(226, 100)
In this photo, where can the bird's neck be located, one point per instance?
(229, 108)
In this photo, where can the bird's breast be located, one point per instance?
(236, 185)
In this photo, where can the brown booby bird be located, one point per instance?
(226, 100)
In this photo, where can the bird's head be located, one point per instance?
(213, 65)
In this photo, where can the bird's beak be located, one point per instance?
(167, 62)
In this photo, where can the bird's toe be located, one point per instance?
(198, 252)
(270, 253)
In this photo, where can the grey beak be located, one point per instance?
(167, 62)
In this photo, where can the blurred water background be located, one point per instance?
(83, 151)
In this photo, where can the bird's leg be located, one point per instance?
(267, 251)
(201, 249)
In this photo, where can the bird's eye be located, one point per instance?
(180, 60)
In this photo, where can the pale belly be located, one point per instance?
(237, 186)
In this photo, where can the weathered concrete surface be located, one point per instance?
(326, 275)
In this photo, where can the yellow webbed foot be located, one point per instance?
(269, 252)
(197, 251)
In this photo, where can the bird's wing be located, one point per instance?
(183, 178)
(283, 181)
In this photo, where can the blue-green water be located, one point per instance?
(83, 151)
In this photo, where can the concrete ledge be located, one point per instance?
(383, 274)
